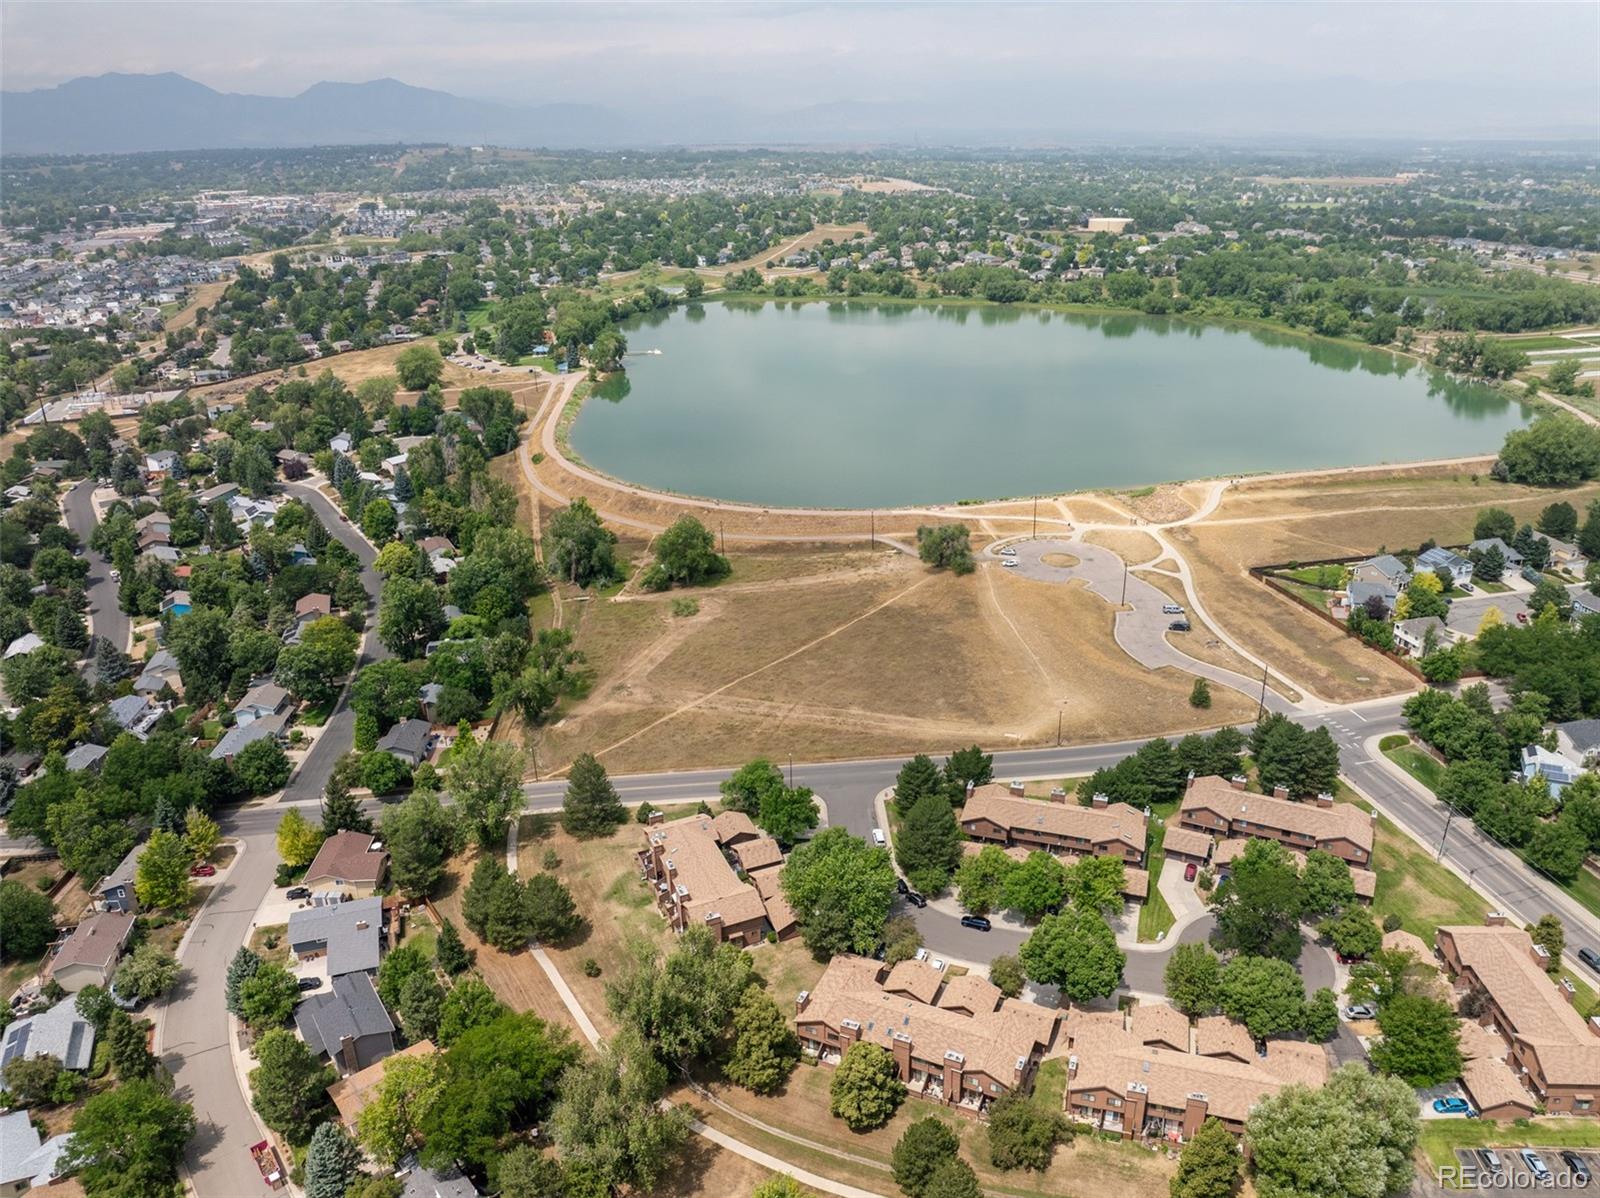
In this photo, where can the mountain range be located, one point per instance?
(117, 113)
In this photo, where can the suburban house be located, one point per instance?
(1459, 568)
(445, 1182)
(114, 892)
(348, 1024)
(995, 814)
(1559, 771)
(1512, 558)
(58, 1031)
(1567, 556)
(135, 714)
(1139, 1076)
(259, 702)
(1411, 635)
(351, 862)
(84, 757)
(352, 1092)
(1551, 1049)
(162, 462)
(1358, 593)
(175, 604)
(943, 1049)
(236, 738)
(312, 607)
(428, 696)
(160, 671)
(27, 1160)
(686, 864)
(89, 956)
(222, 491)
(1226, 809)
(26, 643)
(347, 934)
(1385, 569)
(409, 740)
(1579, 740)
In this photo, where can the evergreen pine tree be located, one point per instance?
(917, 777)
(476, 901)
(403, 490)
(928, 845)
(591, 806)
(1210, 1164)
(333, 1162)
(452, 955)
(243, 967)
(167, 817)
(111, 664)
(340, 811)
(70, 632)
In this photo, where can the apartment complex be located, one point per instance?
(995, 814)
(1224, 808)
(1150, 1075)
(954, 1040)
(1552, 1050)
(688, 864)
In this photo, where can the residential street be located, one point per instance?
(105, 617)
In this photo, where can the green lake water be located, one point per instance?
(856, 404)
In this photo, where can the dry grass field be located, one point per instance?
(1134, 547)
(205, 296)
(353, 368)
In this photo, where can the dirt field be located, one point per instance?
(355, 367)
(1304, 520)
(205, 296)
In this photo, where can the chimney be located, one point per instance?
(1194, 1114)
(714, 922)
(901, 1047)
(347, 1054)
(1594, 1024)
(1058, 794)
(1072, 1063)
(1280, 792)
(1017, 788)
(1134, 1103)
(655, 817)
(1238, 782)
(1324, 799)
(1189, 782)
(1568, 990)
(672, 870)
(802, 1001)
(971, 786)
(1100, 799)
(1541, 955)
(850, 1030)
(1494, 919)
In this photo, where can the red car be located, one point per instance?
(1522, 617)
(202, 871)
(1189, 871)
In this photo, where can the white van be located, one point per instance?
(877, 836)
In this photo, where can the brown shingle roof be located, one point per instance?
(1403, 941)
(97, 941)
(1341, 821)
(1484, 1072)
(1217, 1035)
(916, 978)
(970, 992)
(691, 845)
(1097, 825)
(731, 825)
(752, 855)
(351, 1094)
(1158, 1023)
(320, 605)
(1187, 842)
(347, 856)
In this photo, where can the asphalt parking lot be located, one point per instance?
(1515, 1177)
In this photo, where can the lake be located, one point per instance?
(857, 404)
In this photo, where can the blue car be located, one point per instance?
(1454, 1106)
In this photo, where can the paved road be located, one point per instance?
(105, 617)
(193, 1039)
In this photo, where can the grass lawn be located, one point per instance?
(278, 933)
(14, 973)
(1155, 916)
(315, 717)
(1419, 763)
(1441, 1137)
(1586, 889)
(1412, 885)
(421, 932)
(1325, 578)
(1050, 1085)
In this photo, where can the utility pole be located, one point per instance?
(1123, 601)
(872, 535)
(1058, 729)
(1450, 814)
(723, 537)
(1036, 516)
(535, 756)
(1261, 706)
(791, 771)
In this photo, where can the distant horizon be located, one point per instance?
(826, 74)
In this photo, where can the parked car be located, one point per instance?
(1008, 551)
(1579, 1170)
(297, 892)
(976, 922)
(877, 836)
(900, 885)
(1490, 1159)
(1009, 563)
(1466, 588)
(1178, 626)
(1172, 609)
(1454, 1106)
(1590, 958)
(1535, 1164)
(1189, 872)
(915, 899)
(203, 870)
(1362, 1010)
(1522, 617)
(310, 983)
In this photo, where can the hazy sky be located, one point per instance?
(1439, 69)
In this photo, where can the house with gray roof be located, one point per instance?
(160, 670)
(1411, 635)
(1579, 740)
(26, 643)
(259, 702)
(85, 757)
(1360, 592)
(1512, 558)
(430, 694)
(1385, 568)
(433, 1183)
(59, 1032)
(27, 1160)
(1459, 568)
(409, 740)
(347, 934)
(135, 714)
(348, 1025)
(236, 738)
(114, 892)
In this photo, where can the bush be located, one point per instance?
(591, 967)
(1391, 922)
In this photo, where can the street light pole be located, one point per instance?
(1261, 705)
(1058, 729)
(1036, 516)
(791, 771)
(1124, 600)
(1450, 815)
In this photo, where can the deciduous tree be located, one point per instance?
(1077, 951)
(866, 1089)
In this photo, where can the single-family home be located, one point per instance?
(163, 462)
(1438, 558)
(347, 934)
(260, 701)
(1513, 559)
(313, 607)
(160, 671)
(89, 956)
(114, 892)
(222, 491)
(135, 714)
(1566, 556)
(59, 1031)
(1411, 636)
(26, 643)
(1386, 568)
(1579, 740)
(351, 862)
(410, 740)
(439, 1182)
(175, 604)
(348, 1024)
(27, 1160)
(1358, 593)
(236, 738)
(341, 443)
(352, 1093)
(429, 695)
(85, 757)
(1558, 770)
